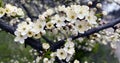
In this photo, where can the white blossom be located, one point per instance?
(69, 56)
(76, 61)
(71, 15)
(59, 20)
(91, 18)
(61, 54)
(2, 12)
(69, 47)
(45, 46)
(30, 33)
(38, 27)
(37, 36)
(19, 38)
(23, 28)
(49, 11)
(99, 5)
(13, 10)
(61, 8)
(20, 12)
(82, 26)
(46, 60)
(82, 11)
(49, 25)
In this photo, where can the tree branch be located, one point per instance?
(87, 33)
(38, 46)
(32, 17)
(29, 41)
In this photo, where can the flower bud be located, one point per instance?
(99, 5)
(90, 3)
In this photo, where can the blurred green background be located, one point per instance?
(11, 51)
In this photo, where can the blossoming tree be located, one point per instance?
(61, 33)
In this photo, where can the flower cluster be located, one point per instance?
(64, 53)
(29, 29)
(63, 22)
(105, 37)
(11, 10)
(74, 19)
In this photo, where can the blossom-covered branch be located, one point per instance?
(87, 33)
(10, 29)
(62, 25)
(32, 17)
(35, 44)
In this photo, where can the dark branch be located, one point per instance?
(6, 27)
(38, 46)
(29, 41)
(87, 33)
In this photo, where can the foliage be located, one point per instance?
(12, 51)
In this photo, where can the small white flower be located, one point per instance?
(69, 56)
(20, 12)
(71, 15)
(86, 62)
(2, 12)
(69, 50)
(113, 37)
(53, 55)
(59, 21)
(76, 61)
(46, 60)
(38, 59)
(20, 38)
(49, 25)
(37, 36)
(69, 47)
(82, 26)
(61, 8)
(28, 20)
(41, 17)
(45, 46)
(69, 43)
(82, 11)
(104, 13)
(90, 3)
(118, 31)
(23, 28)
(13, 11)
(30, 34)
(91, 18)
(38, 26)
(113, 45)
(61, 54)
(8, 8)
(49, 12)
(99, 5)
